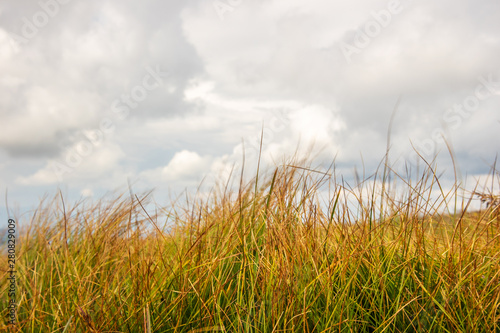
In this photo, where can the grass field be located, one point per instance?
(271, 254)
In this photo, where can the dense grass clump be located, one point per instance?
(293, 251)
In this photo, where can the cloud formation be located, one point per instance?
(83, 109)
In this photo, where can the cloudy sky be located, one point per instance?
(166, 93)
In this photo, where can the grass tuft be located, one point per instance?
(294, 250)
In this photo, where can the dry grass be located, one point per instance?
(268, 257)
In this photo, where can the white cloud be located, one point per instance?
(87, 192)
(44, 176)
(316, 123)
(98, 163)
(185, 164)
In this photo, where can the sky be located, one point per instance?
(96, 95)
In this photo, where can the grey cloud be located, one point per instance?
(92, 52)
(432, 54)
